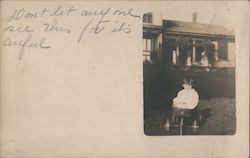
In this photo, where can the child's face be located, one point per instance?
(187, 86)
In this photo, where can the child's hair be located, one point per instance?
(188, 80)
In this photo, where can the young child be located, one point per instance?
(187, 98)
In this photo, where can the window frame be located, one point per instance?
(148, 18)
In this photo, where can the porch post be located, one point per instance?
(193, 53)
(177, 55)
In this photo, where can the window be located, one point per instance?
(222, 50)
(147, 45)
(148, 18)
(148, 50)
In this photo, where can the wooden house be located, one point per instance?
(187, 43)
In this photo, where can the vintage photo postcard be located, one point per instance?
(124, 79)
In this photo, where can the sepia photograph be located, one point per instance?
(188, 74)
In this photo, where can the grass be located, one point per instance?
(218, 118)
(215, 87)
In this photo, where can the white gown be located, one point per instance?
(186, 99)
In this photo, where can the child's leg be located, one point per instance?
(173, 113)
(173, 117)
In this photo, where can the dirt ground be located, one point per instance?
(218, 118)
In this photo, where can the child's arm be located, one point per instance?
(187, 102)
(192, 101)
(178, 97)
